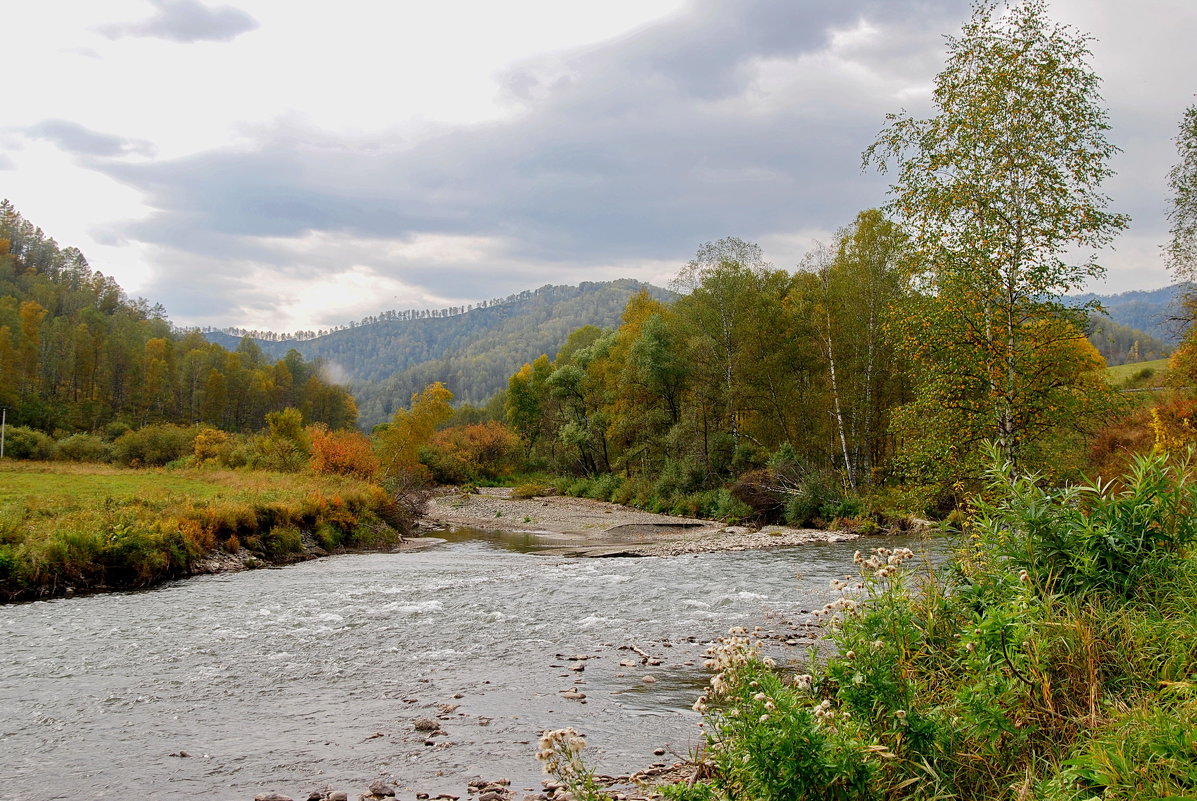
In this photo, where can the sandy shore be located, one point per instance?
(583, 527)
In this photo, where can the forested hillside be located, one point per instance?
(1152, 311)
(76, 354)
(389, 357)
(1123, 344)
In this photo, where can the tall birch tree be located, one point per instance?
(997, 191)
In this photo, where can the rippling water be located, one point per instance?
(311, 676)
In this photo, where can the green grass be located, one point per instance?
(1124, 373)
(93, 526)
(74, 486)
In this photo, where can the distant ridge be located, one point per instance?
(1153, 311)
(474, 350)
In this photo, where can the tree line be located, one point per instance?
(76, 354)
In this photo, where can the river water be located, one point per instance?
(311, 677)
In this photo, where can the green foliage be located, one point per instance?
(286, 447)
(153, 446)
(1092, 537)
(1054, 657)
(1148, 752)
(814, 502)
(767, 740)
(21, 442)
(84, 448)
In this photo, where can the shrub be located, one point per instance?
(212, 446)
(480, 452)
(84, 448)
(603, 487)
(805, 507)
(283, 541)
(346, 453)
(679, 477)
(531, 489)
(846, 506)
(728, 508)
(285, 447)
(758, 491)
(280, 454)
(28, 443)
(153, 445)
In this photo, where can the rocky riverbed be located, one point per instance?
(573, 527)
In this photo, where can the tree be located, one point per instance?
(398, 443)
(858, 286)
(1181, 249)
(992, 191)
(724, 279)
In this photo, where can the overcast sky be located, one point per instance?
(287, 164)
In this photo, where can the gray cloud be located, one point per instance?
(655, 144)
(187, 21)
(75, 138)
(724, 119)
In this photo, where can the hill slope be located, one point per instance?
(473, 352)
(78, 355)
(1150, 311)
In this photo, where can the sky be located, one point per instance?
(286, 164)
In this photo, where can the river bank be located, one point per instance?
(67, 529)
(580, 527)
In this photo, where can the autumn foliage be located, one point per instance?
(346, 453)
(483, 451)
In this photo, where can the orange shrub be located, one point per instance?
(1167, 427)
(346, 453)
(467, 453)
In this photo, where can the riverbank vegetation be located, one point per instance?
(1054, 657)
(91, 526)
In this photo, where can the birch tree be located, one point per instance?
(994, 190)
(1181, 249)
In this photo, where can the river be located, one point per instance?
(312, 676)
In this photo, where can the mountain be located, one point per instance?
(1121, 344)
(473, 351)
(1152, 311)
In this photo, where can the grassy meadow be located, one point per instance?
(88, 526)
(1139, 374)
